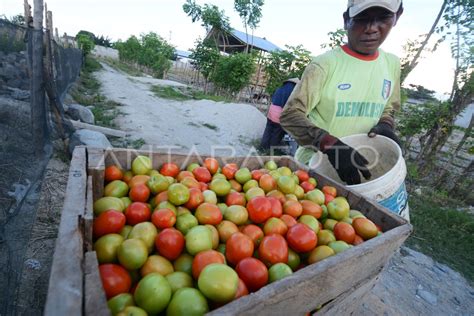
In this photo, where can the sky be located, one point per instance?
(284, 22)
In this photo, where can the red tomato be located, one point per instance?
(195, 198)
(211, 164)
(277, 209)
(163, 218)
(108, 222)
(169, 243)
(273, 249)
(235, 198)
(357, 240)
(307, 186)
(113, 173)
(345, 232)
(169, 169)
(328, 198)
(254, 232)
(205, 258)
(241, 290)
(137, 212)
(229, 170)
(202, 174)
(208, 213)
(289, 220)
(260, 209)
(302, 175)
(203, 186)
(256, 174)
(253, 272)
(139, 193)
(301, 238)
(330, 190)
(161, 197)
(115, 279)
(238, 247)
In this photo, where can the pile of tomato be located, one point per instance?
(188, 241)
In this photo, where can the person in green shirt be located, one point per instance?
(349, 90)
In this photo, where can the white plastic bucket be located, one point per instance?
(387, 166)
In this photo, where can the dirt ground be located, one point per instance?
(200, 125)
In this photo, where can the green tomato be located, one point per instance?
(187, 302)
(278, 271)
(153, 293)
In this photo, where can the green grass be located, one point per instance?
(128, 69)
(183, 94)
(443, 233)
(210, 126)
(87, 92)
(167, 92)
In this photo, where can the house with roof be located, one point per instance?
(233, 41)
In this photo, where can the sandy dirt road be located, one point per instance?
(200, 125)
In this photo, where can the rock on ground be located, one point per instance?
(80, 113)
(88, 138)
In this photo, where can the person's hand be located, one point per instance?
(347, 162)
(384, 129)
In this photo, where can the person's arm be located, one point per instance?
(305, 96)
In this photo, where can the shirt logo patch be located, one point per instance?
(344, 86)
(386, 89)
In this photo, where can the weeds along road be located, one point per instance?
(182, 124)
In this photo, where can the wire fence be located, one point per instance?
(21, 170)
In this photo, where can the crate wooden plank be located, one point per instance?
(349, 301)
(96, 168)
(88, 216)
(95, 301)
(318, 283)
(66, 279)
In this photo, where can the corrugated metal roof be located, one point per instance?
(182, 53)
(258, 42)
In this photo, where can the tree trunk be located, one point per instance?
(454, 154)
(38, 104)
(463, 184)
(414, 61)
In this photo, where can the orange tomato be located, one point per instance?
(113, 173)
(293, 208)
(330, 190)
(345, 232)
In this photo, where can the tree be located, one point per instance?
(234, 72)
(336, 39)
(205, 57)
(211, 17)
(85, 43)
(250, 11)
(150, 51)
(414, 49)
(459, 15)
(285, 64)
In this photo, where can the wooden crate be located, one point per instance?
(338, 283)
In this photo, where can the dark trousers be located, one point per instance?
(272, 135)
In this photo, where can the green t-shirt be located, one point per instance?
(342, 93)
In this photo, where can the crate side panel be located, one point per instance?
(66, 280)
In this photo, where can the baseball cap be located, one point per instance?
(357, 6)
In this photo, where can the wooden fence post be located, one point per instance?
(37, 99)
